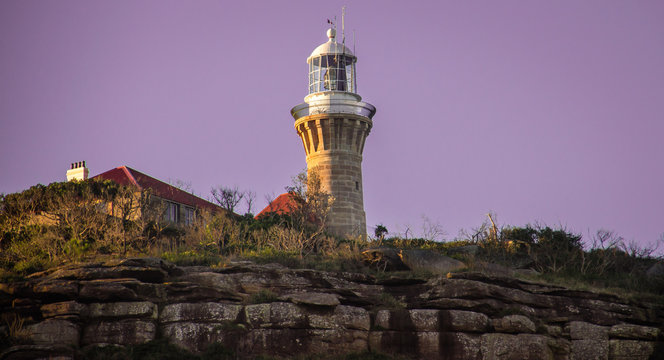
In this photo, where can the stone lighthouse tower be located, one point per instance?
(333, 123)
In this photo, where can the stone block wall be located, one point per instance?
(334, 145)
(341, 176)
(468, 316)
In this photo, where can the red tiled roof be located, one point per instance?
(283, 204)
(125, 175)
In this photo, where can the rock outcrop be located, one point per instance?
(411, 259)
(255, 309)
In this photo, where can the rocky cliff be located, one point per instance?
(255, 309)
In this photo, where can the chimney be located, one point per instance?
(78, 171)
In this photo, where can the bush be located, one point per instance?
(58, 222)
(556, 250)
(419, 243)
(31, 265)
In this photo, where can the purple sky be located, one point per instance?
(540, 111)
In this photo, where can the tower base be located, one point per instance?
(341, 176)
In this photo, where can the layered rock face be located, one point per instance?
(268, 309)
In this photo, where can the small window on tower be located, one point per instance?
(357, 185)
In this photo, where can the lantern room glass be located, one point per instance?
(332, 73)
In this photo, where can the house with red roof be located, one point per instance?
(287, 204)
(284, 204)
(180, 206)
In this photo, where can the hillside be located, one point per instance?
(92, 270)
(245, 310)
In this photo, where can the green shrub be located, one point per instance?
(31, 265)
(521, 234)
(76, 247)
(556, 250)
(8, 276)
(191, 258)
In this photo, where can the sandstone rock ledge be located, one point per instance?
(466, 316)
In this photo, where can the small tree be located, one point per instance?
(136, 211)
(556, 250)
(182, 185)
(380, 231)
(249, 198)
(309, 216)
(432, 231)
(227, 197)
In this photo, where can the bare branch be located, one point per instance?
(228, 198)
(249, 198)
(432, 231)
(182, 185)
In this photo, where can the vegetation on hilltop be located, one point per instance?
(606, 260)
(63, 222)
(76, 221)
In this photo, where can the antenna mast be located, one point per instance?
(343, 16)
(354, 52)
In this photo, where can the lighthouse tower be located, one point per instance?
(333, 123)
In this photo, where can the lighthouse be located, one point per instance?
(333, 123)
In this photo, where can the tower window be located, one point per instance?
(357, 185)
(335, 72)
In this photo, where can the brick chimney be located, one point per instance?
(78, 171)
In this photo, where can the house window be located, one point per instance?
(189, 215)
(172, 212)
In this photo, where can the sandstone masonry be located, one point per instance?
(334, 145)
(466, 316)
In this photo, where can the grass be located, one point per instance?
(624, 286)
(268, 255)
(30, 242)
(400, 243)
(192, 258)
(334, 262)
(337, 255)
(8, 276)
(15, 332)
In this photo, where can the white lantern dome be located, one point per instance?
(332, 67)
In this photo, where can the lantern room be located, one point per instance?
(332, 67)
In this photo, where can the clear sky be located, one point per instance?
(540, 111)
